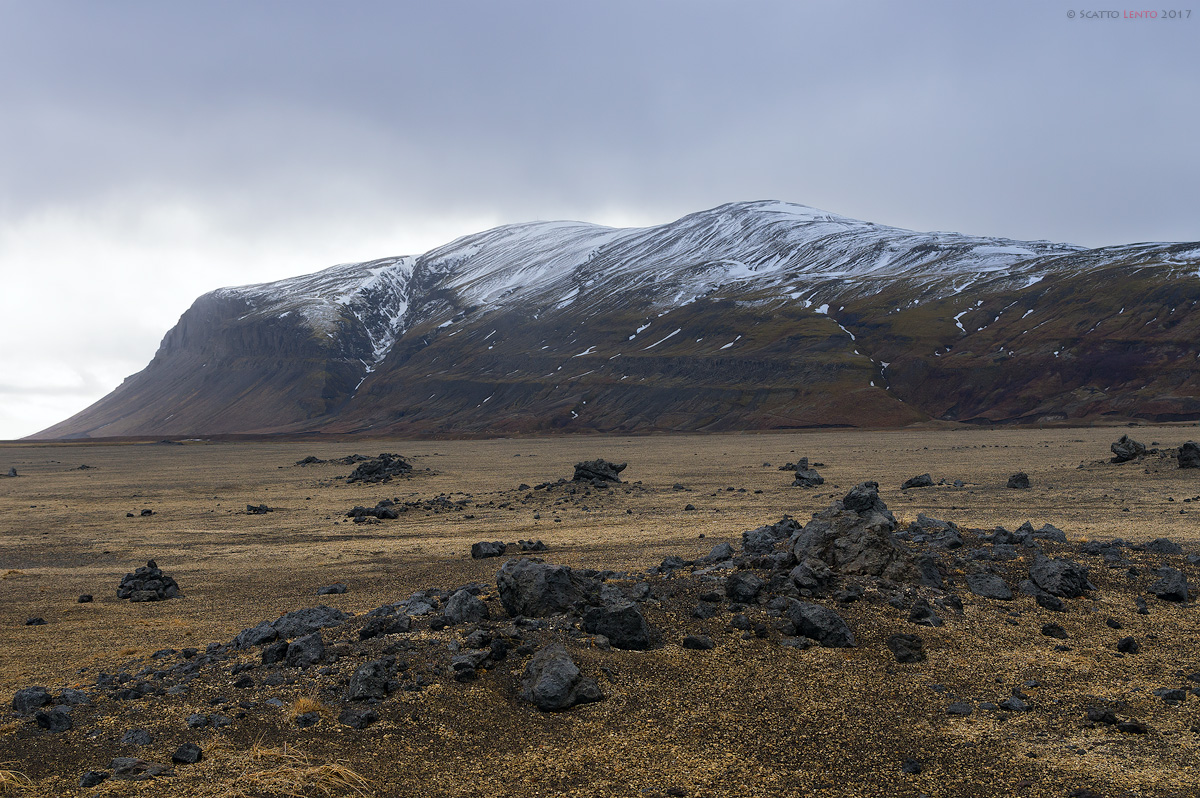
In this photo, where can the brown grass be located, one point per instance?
(12, 782)
(285, 771)
(306, 704)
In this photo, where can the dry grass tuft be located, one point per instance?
(12, 782)
(284, 771)
(306, 704)
(127, 652)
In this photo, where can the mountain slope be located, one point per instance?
(750, 315)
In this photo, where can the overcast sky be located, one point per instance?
(152, 151)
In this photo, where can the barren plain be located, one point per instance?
(749, 717)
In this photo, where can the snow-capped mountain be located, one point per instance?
(749, 315)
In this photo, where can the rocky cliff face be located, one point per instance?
(757, 315)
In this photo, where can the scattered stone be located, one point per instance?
(462, 607)
(532, 545)
(961, 708)
(763, 540)
(136, 737)
(370, 681)
(258, 509)
(1164, 546)
(743, 587)
(385, 625)
(383, 511)
(538, 590)
(621, 622)
(145, 512)
(922, 481)
(989, 586)
(1019, 481)
(1126, 449)
(307, 719)
(36, 621)
(1188, 456)
(906, 648)
(1133, 727)
(306, 621)
(93, 778)
(383, 468)
(305, 651)
(552, 682)
(821, 624)
(1172, 585)
(1172, 695)
(806, 477)
(1060, 577)
(1014, 704)
(28, 699)
(1101, 715)
(922, 614)
(698, 643)
(910, 766)
(855, 536)
(86, 598)
(147, 583)
(56, 720)
(719, 553)
(1054, 630)
(1127, 645)
(187, 754)
(357, 718)
(598, 471)
(485, 549)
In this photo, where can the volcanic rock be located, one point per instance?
(989, 586)
(380, 469)
(743, 587)
(763, 539)
(821, 624)
(1060, 577)
(1189, 455)
(370, 681)
(537, 590)
(855, 536)
(462, 607)
(621, 622)
(906, 648)
(1019, 481)
(187, 754)
(598, 471)
(305, 651)
(484, 549)
(147, 583)
(552, 682)
(807, 477)
(56, 720)
(1172, 585)
(1125, 449)
(922, 481)
(306, 621)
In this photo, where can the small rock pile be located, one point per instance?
(806, 476)
(147, 583)
(382, 510)
(1125, 449)
(383, 468)
(598, 472)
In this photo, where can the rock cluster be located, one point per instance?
(1125, 449)
(598, 471)
(383, 468)
(147, 583)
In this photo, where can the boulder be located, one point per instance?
(1019, 481)
(552, 682)
(305, 651)
(922, 481)
(763, 539)
(743, 587)
(820, 624)
(598, 471)
(28, 699)
(812, 574)
(855, 536)
(463, 607)
(1125, 449)
(187, 754)
(906, 648)
(807, 478)
(56, 720)
(1060, 577)
(380, 469)
(698, 643)
(1189, 455)
(308, 620)
(719, 553)
(1164, 546)
(484, 549)
(989, 586)
(1172, 585)
(538, 590)
(336, 589)
(370, 681)
(621, 622)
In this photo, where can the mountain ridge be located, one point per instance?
(749, 315)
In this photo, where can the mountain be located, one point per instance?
(757, 315)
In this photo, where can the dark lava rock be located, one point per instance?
(807, 478)
(1101, 715)
(463, 607)
(304, 651)
(263, 632)
(855, 536)
(1164, 546)
(538, 590)
(86, 598)
(93, 778)
(484, 549)
(370, 681)
(906, 648)
(719, 553)
(598, 471)
(1059, 577)
(384, 511)
(385, 625)
(1019, 481)
(552, 682)
(336, 589)
(821, 624)
(1132, 727)
(1014, 704)
(1172, 585)
(743, 587)
(27, 699)
(763, 539)
(922, 614)
(705, 610)
(136, 737)
(380, 469)
(959, 708)
(1189, 455)
(357, 718)
(308, 719)
(527, 546)
(56, 720)
(306, 621)
(1127, 645)
(989, 586)
(147, 583)
(812, 574)
(187, 754)
(35, 621)
(698, 642)
(923, 481)
(1125, 449)
(258, 509)
(1172, 694)
(1054, 630)
(621, 622)
(910, 766)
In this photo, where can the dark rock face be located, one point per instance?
(621, 622)
(305, 651)
(552, 682)
(699, 643)
(1189, 455)
(598, 471)
(28, 699)
(384, 511)
(484, 549)
(763, 539)
(1172, 585)
(1019, 481)
(906, 648)
(821, 624)
(1125, 449)
(56, 720)
(1164, 546)
(463, 607)
(336, 589)
(855, 536)
(93, 778)
(1060, 577)
(147, 583)
(743, 587)
(187, 754)
(258, 509)
(369, 681)
(922, 614)
(383, 468)
(386, 624)
(807, 477)
(922, 481)
(537, 589)
(989, 586)
(308, 620)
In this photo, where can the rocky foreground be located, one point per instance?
(845, 655)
